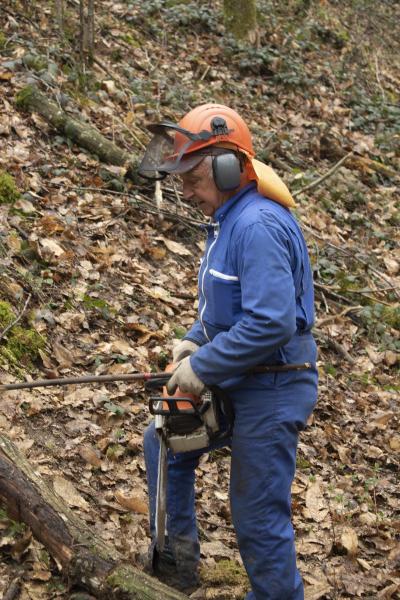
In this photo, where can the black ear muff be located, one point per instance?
(226, 171)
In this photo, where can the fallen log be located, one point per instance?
(85, 559)
(31, 99)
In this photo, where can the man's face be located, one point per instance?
(199, 189)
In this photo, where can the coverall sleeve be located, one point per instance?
(196, 334)
(262, 254)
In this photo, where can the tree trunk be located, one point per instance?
(86, 136)
(241, 19)
(91, 32)
(85, 559)
(59, 8)
(82, 32)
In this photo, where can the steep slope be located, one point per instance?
(107, 279)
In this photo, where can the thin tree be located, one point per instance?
(59, 6)
(86, 33)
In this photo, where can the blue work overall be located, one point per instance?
(255, 308)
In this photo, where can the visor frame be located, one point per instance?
(151, 167)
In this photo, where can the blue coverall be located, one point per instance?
(255, 308)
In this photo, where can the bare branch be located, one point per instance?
(321, 179)
(3, 333)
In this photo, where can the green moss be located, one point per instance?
(391, 316)
(8, 190)
(124, 579)
(3, 40)
(115, 452)
(25, 96)
(302, 463)
(7, 315)
(24, 344)
(225, 572)
(129, 39)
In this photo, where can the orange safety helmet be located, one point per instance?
(177, 148)
(208, 129)
(224, 123)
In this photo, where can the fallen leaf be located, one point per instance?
(49, 249)
(40, 574)
(392, 266)
(307, 546)
(135, 443)
(80, 396)
(133, 503)
(25, 205)
(175, 247)
(90, 455)
(349, 541)
(62, 355)
(68, 493)
(109, 86)
(319, 590)
(367, 518)
(316, 507)
(216, 549)
(391, 358)
(394, 443)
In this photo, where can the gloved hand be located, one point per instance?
(184, 348)
(185, 379)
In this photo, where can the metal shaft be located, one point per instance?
(86, 379)
(162, 376)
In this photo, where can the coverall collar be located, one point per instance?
(222, 211)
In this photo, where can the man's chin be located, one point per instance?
(206, 210)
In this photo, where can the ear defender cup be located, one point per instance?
(226, 171)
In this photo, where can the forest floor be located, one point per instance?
(108, 280)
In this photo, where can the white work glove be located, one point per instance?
(184, 348)
(185, 379)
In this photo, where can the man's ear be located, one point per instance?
(226, 171)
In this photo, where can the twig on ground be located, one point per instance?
(13, 590)
(354, 257)
(158, 195)
(367, 264)
(326, 339)
(141, 200)
(325, 290)
(321, 179)
(341, 314)
(3, 333)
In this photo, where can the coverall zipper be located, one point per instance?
(216, 232)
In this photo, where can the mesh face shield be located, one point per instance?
(170, 150)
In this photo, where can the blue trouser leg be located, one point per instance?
(181, 516)
(268, 417)
(261, 476)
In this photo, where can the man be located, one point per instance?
(255, 308)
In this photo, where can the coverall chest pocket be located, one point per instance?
(224, 298)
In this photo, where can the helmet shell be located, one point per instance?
(201, 117)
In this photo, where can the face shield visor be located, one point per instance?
(173, 149)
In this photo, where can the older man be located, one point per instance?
(255, 308)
